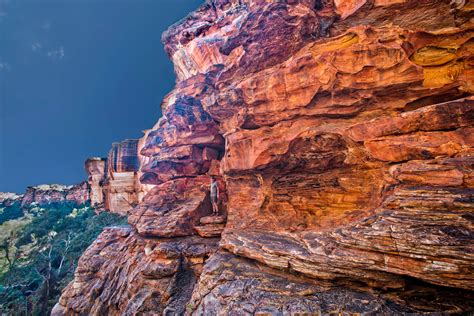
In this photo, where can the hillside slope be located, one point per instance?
(42, 235)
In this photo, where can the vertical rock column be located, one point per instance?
(95, 168)
(119, 187)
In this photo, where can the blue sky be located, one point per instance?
(75, 76)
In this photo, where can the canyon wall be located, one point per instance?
(341, 135)
(115, 181)
(56, 193)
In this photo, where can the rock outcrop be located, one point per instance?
(341, 134)
(56, 193)
(114, 181)
(123, 273)
(121, 175)
(95, 168)
(9, 198)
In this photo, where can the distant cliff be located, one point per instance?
(42, 235)
(341, 135)
(114, 181)
(55, 193)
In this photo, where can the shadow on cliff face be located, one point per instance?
(181, 290)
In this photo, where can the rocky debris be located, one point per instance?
(125, 273)
(210, 226)
(56, 193)
(341, 134)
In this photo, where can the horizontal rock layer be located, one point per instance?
(55, 193)
(114, 181)
(234, 285)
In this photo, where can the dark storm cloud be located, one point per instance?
(76, 76)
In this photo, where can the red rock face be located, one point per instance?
(172, 209)
(123, 156)
(184, 144)
(341, 133)
(55, 193)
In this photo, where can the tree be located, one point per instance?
(51, 273)
(49, 246)
(7, 245)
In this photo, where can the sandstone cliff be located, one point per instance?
(114, 181)
(341, 134)
(8, 198)
(56, 193)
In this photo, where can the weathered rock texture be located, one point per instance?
(123, 273)
(120, 183)
(341, 133)
(95, 168)
(114, 181)
(56, 193)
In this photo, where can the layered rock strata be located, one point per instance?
(114, 181)
(341, 135)
(210, 226)
(56, 193)
(121, 171)
(232, 285)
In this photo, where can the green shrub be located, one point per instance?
(49, 247)
(13, 211)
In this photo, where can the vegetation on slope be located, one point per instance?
(39, 250)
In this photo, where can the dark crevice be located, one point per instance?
(445, 96)
(181, 290)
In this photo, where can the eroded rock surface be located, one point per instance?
(341, 134)
(122, 273)
(95, 168)
(232, 285)
(56, 193)
(114, 181)
(173, 208)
